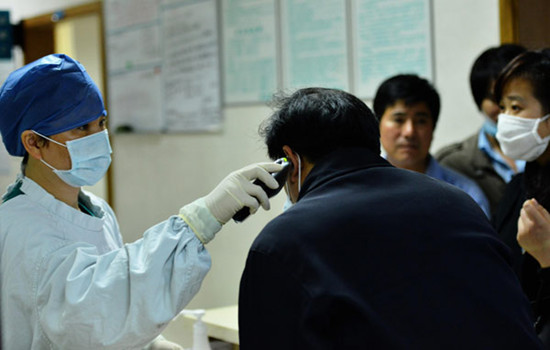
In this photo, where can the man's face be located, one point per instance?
(406, 134)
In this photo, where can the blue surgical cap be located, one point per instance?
(50, 95)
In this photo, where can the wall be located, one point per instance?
(154, 175)
(462, 30)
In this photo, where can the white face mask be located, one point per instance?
(90, 159)
(288, 202)
(519, 138)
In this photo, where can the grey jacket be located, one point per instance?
(466, 158)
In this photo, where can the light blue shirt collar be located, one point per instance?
(497, 161)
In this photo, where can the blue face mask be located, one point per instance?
(90, 159)
(490, 127)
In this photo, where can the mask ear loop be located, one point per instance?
(49, 139)
(299, 174)
(52, 140)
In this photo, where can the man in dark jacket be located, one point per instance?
(371, 256)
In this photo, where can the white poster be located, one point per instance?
(249, 50)
(132, 49)
(136, 101)
(390, 37)
(163, 65)
(191, 81)
(315, 50)
(122, 15)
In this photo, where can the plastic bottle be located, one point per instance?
(200, 334)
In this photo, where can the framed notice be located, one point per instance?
(163, 65)
(314, 44)
(249, 50)
(389, 38)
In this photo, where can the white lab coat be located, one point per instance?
(68, 281)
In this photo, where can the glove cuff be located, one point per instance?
(200, 220)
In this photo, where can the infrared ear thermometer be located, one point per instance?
(280, 176)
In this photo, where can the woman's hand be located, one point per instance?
(534, 231)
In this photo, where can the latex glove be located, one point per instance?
(237, 191)
(206, 215)
(160, 343)
(534, 231)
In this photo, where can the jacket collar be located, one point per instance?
(339, 162)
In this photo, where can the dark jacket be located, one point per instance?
(506, 218)
(376, 257)
(466, 158)
(535, 282)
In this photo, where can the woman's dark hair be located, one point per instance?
(533, 66)
(316, 121)
(409, 88)
(487, 67)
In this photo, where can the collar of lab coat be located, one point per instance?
(58, 208)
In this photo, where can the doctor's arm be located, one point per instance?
(121, 299)
(125, 298)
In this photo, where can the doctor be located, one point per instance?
(67, 280)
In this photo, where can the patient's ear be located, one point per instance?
(293, 159)
(32, 143)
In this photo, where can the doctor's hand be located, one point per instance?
(237, 191)
(206, 215)
(534, 231)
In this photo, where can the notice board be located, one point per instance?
(390, 37)
(249, 33)
(174, 64)
(163, 65)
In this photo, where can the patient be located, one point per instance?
(369, 255)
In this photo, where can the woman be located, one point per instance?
(523, 89)
(479, 156)
(67, 279)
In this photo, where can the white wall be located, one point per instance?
(154, 175)
(462, 30)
